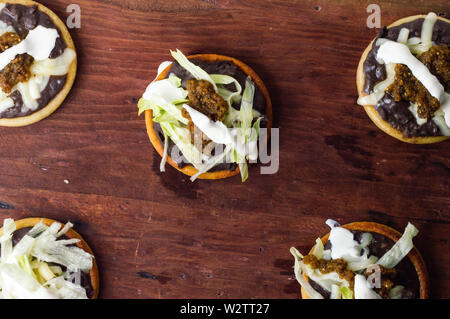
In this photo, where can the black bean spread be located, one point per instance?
(202, 103)
(403, 274)
(394, 106)
(23, 19)
(85, 277)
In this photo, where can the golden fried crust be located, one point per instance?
(59, 98)
(94, 275)
(414, 255)
(370, 109)
(189, 169)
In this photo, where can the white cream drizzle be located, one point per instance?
(394, 52)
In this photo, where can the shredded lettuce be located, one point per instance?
(246, 111)
(400, 249)
(318, 250)
(346, 293)
(164, 94)
(24, 268)
(182, 138)
(229, 96)
(196, 71)
(243, 168)
(396, 292)
(211, 162)
(65, 289)
(16, 283)
(245, 142)
(9, 227)
(175, 80)
(164, 157)
(24, 263)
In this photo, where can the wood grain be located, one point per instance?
(159, 235)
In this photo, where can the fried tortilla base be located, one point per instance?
(53, 105)
(189, 169)
(370, 109)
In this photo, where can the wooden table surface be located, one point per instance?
(157, 235)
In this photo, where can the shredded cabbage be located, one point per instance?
(24, 268)
(182, 138)
(400, 249)
(9, 227)
(313, 294)
(161, 95)
(211, 162)
(346, 293)
(196, 71)
(318, 250)
(227, 95)
(396, 292)
(164, 157)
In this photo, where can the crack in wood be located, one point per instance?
(6, 206)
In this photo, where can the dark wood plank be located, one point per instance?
(159, 235)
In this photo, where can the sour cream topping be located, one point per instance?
(343, 243)
(216, 131)
(39, 44)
